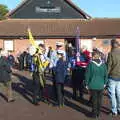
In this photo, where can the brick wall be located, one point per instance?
(1, 43)
(52, 42)
(102, 44)
(21, 45)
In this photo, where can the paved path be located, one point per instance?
(23, 109)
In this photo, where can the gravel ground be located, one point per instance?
(23, 109)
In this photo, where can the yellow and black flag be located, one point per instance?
(31, 39)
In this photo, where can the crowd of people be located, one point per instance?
(92, 71)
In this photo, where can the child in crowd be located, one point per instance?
(95, 79)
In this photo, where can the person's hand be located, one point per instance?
(13, 70)
(87, 87)
(104, 86)
(105, 92)
(31, 74)
(68, 69)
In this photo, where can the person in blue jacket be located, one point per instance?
(60, 74)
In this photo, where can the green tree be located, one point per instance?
(3, 11)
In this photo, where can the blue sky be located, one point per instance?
(95, 8)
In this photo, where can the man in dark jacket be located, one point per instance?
(38, 78)
(114, 76)
(11, 59)
(5, 76)
(78, 73)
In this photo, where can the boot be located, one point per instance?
(9, 93)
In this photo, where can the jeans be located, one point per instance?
(114, 95)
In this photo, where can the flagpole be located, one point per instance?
(78, 44)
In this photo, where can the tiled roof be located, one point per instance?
(60, 27)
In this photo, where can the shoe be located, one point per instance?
(74, 97)
(93, 116)
(98, 116)
(118, 112)
(61, 106)
(81, 98)
(113, 114)
(35, 102)
(11, 100)
(89, 103)
(46, 101)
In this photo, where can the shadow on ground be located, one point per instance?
(24, 87)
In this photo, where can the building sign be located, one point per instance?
(47, 9)
(8, 45)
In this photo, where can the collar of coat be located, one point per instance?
(98, 64)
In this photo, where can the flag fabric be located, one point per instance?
(78, 44)
(31, 39)
(34, 45)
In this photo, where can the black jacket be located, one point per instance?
(5, 70)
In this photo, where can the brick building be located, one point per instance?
(55, 20)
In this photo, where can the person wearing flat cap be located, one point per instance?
(54, 59)
(60, 74)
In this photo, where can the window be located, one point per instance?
(106, 42)
(8, 45)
